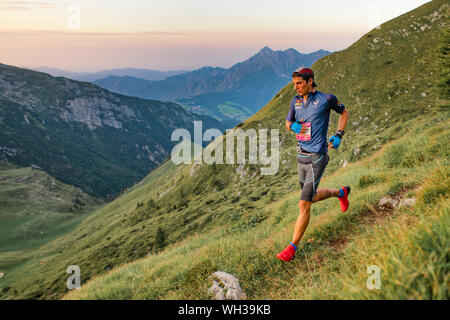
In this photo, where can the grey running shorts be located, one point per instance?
(310, 170)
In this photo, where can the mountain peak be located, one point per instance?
(265, 51)
(291, 50)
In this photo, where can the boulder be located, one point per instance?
(388, 203)
(409, 202)
(226, 287)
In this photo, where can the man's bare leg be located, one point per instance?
(302, 221)
(305, 210)
(323, 194)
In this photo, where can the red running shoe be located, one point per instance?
(344, 198)
(287, 254)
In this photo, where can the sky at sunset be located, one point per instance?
(184, 34)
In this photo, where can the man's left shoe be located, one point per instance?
(287, 254)
(343, 199)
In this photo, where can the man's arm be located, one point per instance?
(290, 119)
(339, 108)
(343, 118)
(288, 125)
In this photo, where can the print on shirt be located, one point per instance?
(307, 135)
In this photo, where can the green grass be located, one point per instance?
(225, 110)
(36, 209)
(234, 110)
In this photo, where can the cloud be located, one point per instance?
(26, 5)
(24, 32)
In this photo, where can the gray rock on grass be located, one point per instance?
(226, 287)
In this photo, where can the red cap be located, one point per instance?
(306, 74)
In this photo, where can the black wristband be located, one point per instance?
(340, 133)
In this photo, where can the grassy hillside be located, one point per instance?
(410, 244)
(231, 218)
(35, 209)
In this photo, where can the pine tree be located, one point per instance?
(160, 238)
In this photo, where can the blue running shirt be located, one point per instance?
(316, 112)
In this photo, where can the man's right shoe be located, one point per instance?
(287, 254)
(343, 199)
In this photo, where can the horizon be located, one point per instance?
(188, 70)
(89, 36)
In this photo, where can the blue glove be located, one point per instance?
(296, 127)
(336, 141)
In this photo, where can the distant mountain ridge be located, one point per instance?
(84, 135)
(146, 74)
(226, 94)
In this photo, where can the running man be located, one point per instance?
(308, 117)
